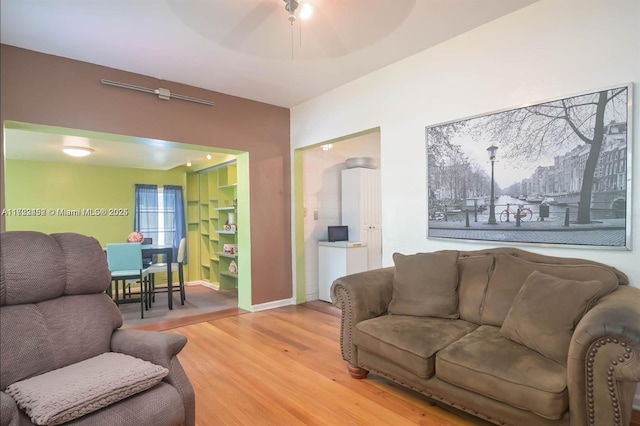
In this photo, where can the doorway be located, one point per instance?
(317, 181)
(37, 175)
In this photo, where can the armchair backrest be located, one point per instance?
(53, 310)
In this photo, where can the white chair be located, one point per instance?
(157, 268)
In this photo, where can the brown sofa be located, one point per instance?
(510, 336)
(64, 357)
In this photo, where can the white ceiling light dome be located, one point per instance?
(76, 146)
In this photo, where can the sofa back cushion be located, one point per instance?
(35, 266)
(474, 272)
(510, 273)
(53, 310)
(563, 302)
(425, 284)
(40, 337)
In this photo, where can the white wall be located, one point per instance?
(322, 195)
(548, 50)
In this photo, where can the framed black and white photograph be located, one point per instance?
(556, 172)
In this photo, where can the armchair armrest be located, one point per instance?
(162, 349)
(156, 347)
(604, 360)
(8, 411)
(360, 297)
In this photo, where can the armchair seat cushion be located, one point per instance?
(70, 392)
(487, 363)
(409, 341)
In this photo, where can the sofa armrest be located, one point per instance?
(8, 411)
(360, 296)
(161, 349)
(604, 360)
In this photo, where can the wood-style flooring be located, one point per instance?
(283, 367)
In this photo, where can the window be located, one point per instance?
(159, 215)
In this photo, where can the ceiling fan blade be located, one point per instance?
(247, 25)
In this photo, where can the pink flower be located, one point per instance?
(135, 237)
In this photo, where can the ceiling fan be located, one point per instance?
(258, 27)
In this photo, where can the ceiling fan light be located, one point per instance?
(77, 151)
(306, 10)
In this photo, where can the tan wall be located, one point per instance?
(50, 90)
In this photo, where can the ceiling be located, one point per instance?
(245, 48)
(43, 143)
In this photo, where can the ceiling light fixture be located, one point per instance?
(208, 156)
(76, 146)
(327, 147)
(189, 164)
(77, 151)
(305, 9)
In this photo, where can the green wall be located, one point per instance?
(54, 186)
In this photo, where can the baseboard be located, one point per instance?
(273, 305)
(214, 286)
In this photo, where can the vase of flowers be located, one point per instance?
(135, 237)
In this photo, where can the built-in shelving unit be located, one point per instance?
(212, 208)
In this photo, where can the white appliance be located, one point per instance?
(337, 259)
(362, 210)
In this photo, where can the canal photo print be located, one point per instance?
(557, 172)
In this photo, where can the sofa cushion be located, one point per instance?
(488, 363)
(511, 272)
(425, 284)
(37, 338)
(473, 276)
(32, 268)
(409, 341)
(70, 392)
(563, 303)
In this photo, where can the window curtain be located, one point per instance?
(175, 228)
(146, 211)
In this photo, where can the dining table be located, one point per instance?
(148, 250)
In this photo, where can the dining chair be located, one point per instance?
(125, 264)
(157, 268)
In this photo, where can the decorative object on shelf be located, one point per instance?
(230, 248)
(233, 267)
(366, 162)
(231, 219)
(135, 237)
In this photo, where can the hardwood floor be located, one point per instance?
(283, 367)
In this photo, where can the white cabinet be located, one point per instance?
(337, 259)
(362, 210)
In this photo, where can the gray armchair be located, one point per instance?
(54, 314)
